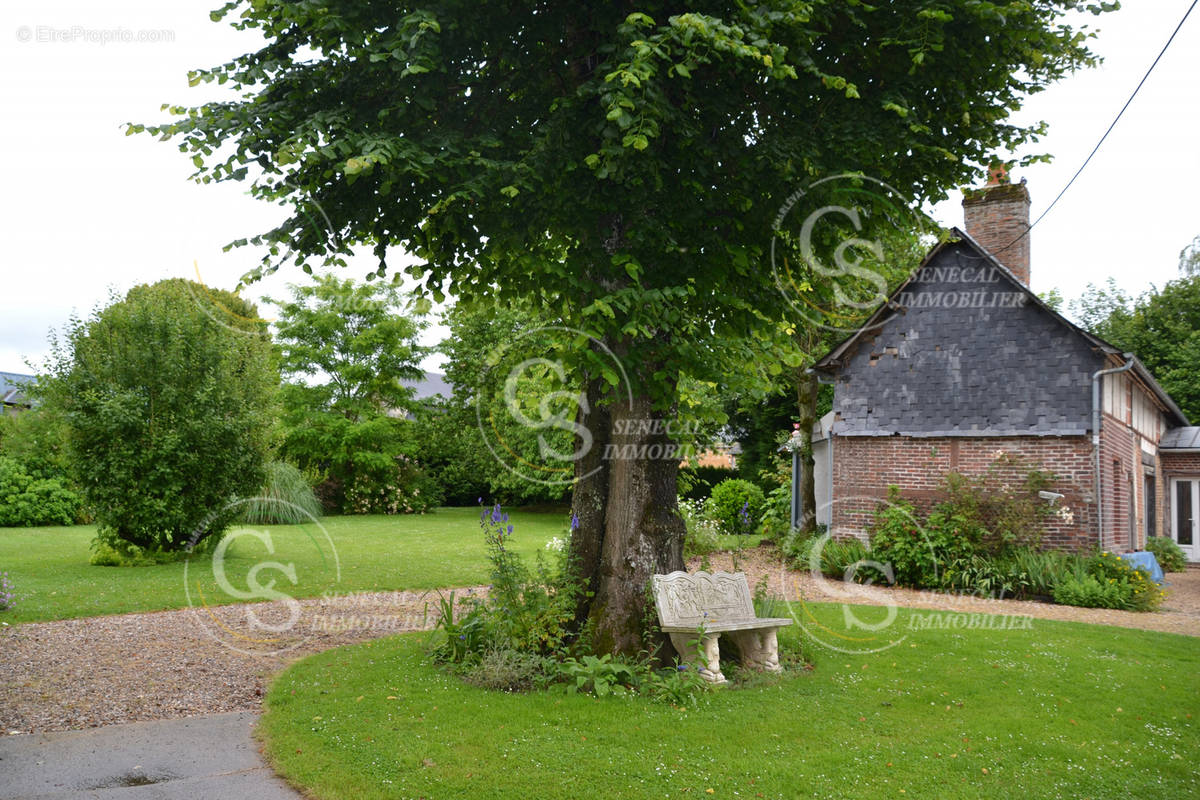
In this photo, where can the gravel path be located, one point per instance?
(1180, 613)
(106, 670)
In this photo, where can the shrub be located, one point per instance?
(401, 487)
(1108, 581)
(736, 506)
(1002, 504)
(528, 611)
(1089, 592)
(834, 557)
(600, 676)
(503, 670)
(796, 545)
(1169, 554)
(917, 553)
(286, 498)
(1138, 590)
(27, 501)
(777, 512)
(168, 396)
(1022, 573)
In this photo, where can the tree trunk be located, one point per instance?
(629, 526)
(806, 408)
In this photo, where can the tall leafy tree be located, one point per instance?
(347, 349)
(168, 397)
(619, 165)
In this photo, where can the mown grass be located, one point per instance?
(1060, 710)
(52, 578)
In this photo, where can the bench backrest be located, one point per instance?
(682, 600)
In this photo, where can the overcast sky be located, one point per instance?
(87, 209)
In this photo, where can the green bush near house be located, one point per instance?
(736, 506)
(1169, 554)
(167, 395)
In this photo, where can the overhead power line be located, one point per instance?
(1116, 119)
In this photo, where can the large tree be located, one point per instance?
(622, 165)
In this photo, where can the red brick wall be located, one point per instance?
(1120, 462)
(864, 467)
(998, 218)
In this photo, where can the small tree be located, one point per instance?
(355, 347)
(167, 397)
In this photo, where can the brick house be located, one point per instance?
(965, 368)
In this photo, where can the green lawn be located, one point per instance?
(52, 578)
(1062, 710)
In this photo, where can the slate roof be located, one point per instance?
(12, 388)
(1187, 438)
(1010, 368)
(433, 384)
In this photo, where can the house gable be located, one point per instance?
(964, 350)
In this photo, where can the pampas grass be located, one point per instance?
(286, 499)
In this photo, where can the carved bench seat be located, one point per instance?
(718, 603)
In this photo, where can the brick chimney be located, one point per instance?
(996, 216)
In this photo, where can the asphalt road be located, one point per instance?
(197, 758)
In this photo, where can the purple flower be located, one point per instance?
(574, 521)
(681, 667)
(510, 529)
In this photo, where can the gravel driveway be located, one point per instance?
(84, 673)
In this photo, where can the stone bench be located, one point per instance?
(718, 603)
